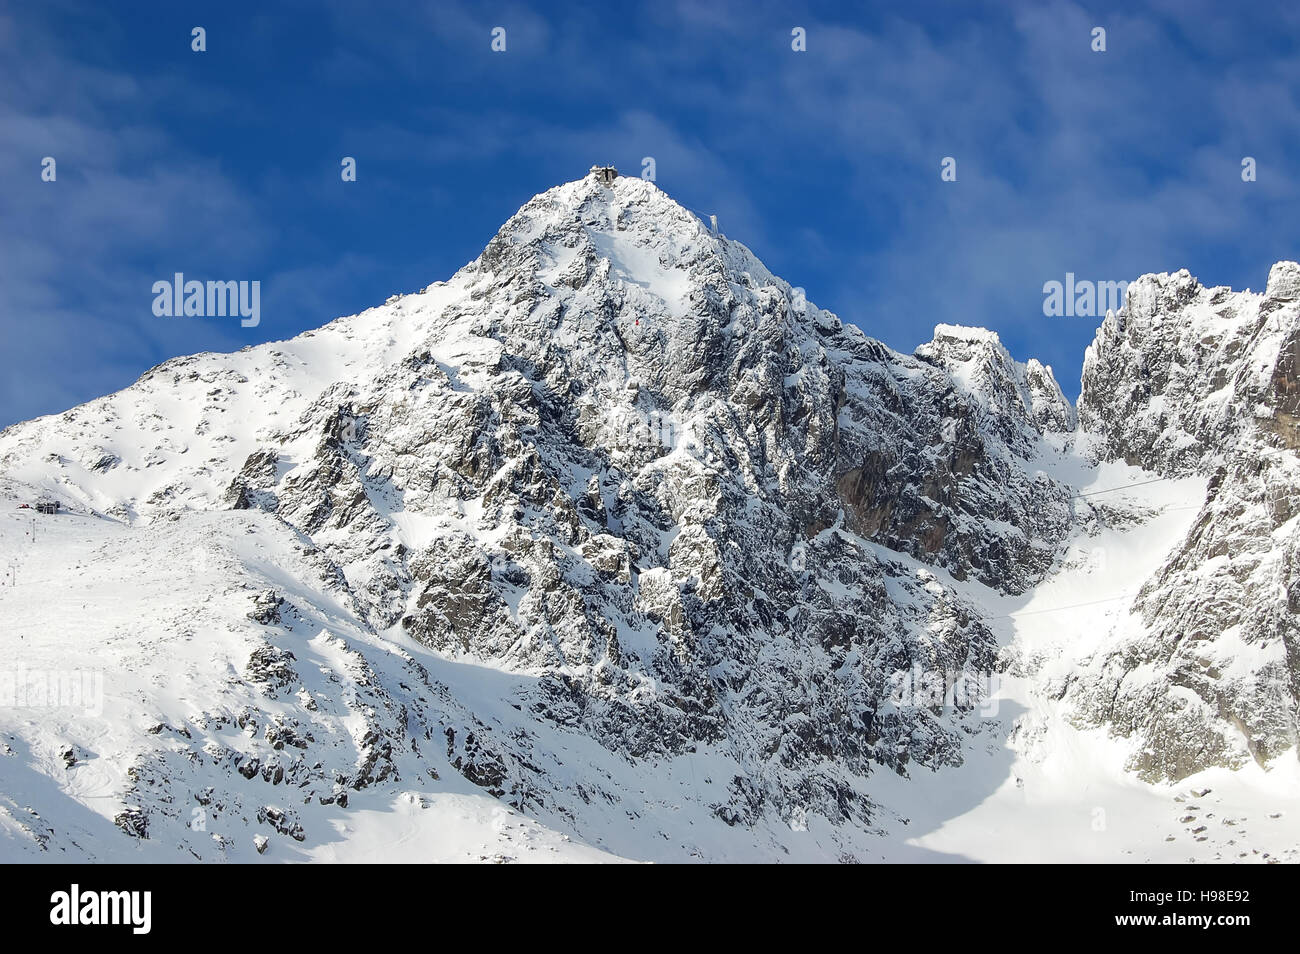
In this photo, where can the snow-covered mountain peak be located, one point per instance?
(1189, 380)
(1284, 281)
(1182, 373)
(1025, 397)
(617, 527)
(625, 233)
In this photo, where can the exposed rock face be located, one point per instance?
(615, 451)
(675, 468)
(617, 456)
(1187, 379)
(1283, 282)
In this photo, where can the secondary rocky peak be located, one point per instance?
(1023, 399)
(1176, 378)
(1284, 281)
(1189, 380)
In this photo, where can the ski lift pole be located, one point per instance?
(710, 217)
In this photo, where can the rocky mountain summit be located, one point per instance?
(614, 521)
(1188, 379)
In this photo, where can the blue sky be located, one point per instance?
(225, 164)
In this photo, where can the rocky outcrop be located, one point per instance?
(689, 514)
(615, 452)
(1187, 379)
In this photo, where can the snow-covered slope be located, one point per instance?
(609, 546)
